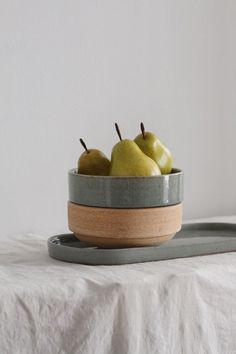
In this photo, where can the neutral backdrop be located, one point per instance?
(70, 69)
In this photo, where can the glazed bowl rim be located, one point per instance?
(177, 171)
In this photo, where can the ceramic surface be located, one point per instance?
(126, 192)
(108, 227)
(193, 240)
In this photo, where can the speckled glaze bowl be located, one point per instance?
(125, 211)
(126, 192)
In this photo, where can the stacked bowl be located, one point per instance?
(114, 212)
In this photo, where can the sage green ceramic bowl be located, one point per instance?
(126, 192)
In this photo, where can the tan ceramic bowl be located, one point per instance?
(113, 227)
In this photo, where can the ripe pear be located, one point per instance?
(155, 149)
(128, 160)
(93, 162)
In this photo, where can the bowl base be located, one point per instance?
(124, 242)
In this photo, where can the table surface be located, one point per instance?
(176, 306)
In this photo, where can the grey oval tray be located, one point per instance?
(196, 239)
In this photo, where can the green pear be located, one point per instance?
(128, 160)
(93, 162)
(155, 149)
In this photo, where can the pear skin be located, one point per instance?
(127, 159)
(93, 162)
(156, 150)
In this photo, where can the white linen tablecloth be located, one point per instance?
(177, 306)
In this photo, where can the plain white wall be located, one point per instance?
(70, 69)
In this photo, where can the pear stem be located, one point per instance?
(142, 130)
(118, 131)
(84, 145)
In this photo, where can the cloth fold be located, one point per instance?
(182, 306)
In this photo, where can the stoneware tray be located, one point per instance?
(196, 239)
